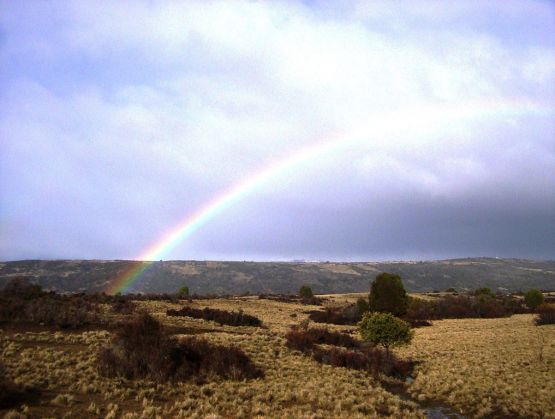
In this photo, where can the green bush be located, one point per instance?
(183, 292)
(388, 295)
(533, 298)
(306, 292)
(385, 329)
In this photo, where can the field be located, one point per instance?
(478, 367)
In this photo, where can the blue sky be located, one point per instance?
(118, 119)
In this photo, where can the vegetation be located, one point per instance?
(306, 292)
(485, 367)
(362, 306)
(12, 394)
(546, 314)
(485, 291)
(236, 278)
(235, 318)
(385, 329)
(347, 315)
(533, 298)
(305, 340)
(480, 367)
(183, 292)
(24, 302)
(142, 348)
(370, 359)
(388, 295)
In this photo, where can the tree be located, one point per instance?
(362, 306)
(183, 292)
(388, 295)
(384, 329)
(483, 291)
(533, 298)
(306, 292)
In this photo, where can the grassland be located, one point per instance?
(480, 367)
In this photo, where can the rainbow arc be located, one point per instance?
(409, 120)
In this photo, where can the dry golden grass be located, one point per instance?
(478, 366)
(482, 367)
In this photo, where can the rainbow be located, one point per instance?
(408, 120)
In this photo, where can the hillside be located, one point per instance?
(209, 277)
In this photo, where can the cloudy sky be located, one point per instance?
(120, 119)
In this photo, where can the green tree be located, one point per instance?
(388, 295)
(362, 306)
(183, 292)
(306, 292)
(533, 298)
(384, 329)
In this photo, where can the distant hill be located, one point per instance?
(210, 277)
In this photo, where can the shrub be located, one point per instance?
(371, 359)
(483, 291)
(11, 394)
(305, 292)
(230, 318)
(546, 314)
(487, 306)
(533, 298)
(183, 292)
(388, 295)
(362, 306)
(338, 315)
(454, 307)
(21, 287)
(385, 329)
(123, 306)
(143, 348)
(419, 309)
(304, 340)
(49, 309)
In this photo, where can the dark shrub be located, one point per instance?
(50, 309)
(337, 315)
(387, 294)
(371, 359)
(13, 395)
(304, 340)
(230, 318)
(486, 306)
(300, 340)
(513, 305)
(142, 348)
(123, 306)
(21, 287)
(546, 314)
(325, 336)
(454, 307)
(419, 309)
(483, 291)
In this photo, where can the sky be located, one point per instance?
(430, 128)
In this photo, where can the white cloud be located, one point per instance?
(163, 104)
